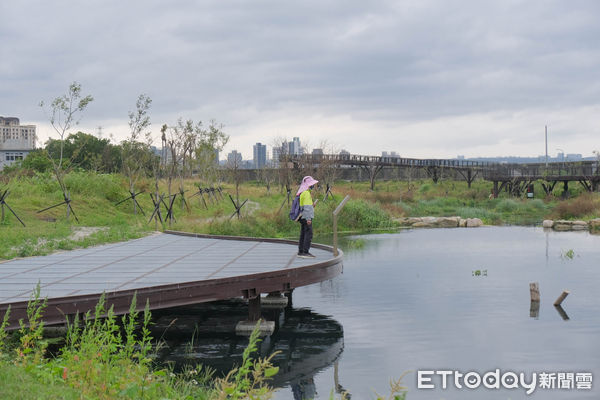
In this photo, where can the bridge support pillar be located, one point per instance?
(594, 185)
(245, 328)
(495, 190)
(565, 194)
(254, 308)
(274, 300)
(288, 294)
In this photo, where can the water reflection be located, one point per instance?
(534, 309)
(563, 314)
(307, 342)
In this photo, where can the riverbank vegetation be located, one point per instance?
(100, 220)
(104, 356)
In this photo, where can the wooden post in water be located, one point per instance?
(534, 307)
(534, 291)
(561, 298)
(335, 215)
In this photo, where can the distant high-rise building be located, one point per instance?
(391, 154)
(344, 153)
(260, 155)
(16, 140)
(294, 147)
(276, 155)
(234, 158)
(317, 152)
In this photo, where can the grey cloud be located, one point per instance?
(408, 60)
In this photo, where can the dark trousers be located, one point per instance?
(306, 234)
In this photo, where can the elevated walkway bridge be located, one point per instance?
(510, 177)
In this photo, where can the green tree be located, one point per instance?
(37, 160)
(85, 151)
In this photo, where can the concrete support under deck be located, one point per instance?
(245, 328)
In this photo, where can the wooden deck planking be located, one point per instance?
(169, 269)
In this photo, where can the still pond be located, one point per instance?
(430, 299)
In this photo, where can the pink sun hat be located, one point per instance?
(307, 182)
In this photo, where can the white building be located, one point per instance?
(16, 140)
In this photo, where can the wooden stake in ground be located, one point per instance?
(562, 297)
(4, 203)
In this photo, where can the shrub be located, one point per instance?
(507, 205)
(581, 206)
(487, 216)
(38, 161)
(360, 214)
(537, 204)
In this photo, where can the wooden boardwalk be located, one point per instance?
(510, 177)
(167, 270)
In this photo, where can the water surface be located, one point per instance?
(413, 300)
(443, 299)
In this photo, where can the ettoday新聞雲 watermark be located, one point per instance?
(496, 379)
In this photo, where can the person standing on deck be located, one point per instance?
(307, 210)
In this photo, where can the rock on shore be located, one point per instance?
(458, 222)
(564, 225)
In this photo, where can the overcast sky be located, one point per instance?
(422, 78)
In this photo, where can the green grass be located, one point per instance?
(454, 199)
(94, 197)
(13, 380)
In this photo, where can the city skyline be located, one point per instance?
(427, 78)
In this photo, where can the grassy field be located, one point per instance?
(100, 221)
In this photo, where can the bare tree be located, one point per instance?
(267, 175)
(136, 149)
(233, 167)
(283, 164)
(328, 170)
(209, 142)
(178, 140)
(64, 114)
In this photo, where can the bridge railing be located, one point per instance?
(581, 169)
(490, 170)
(355, 159)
